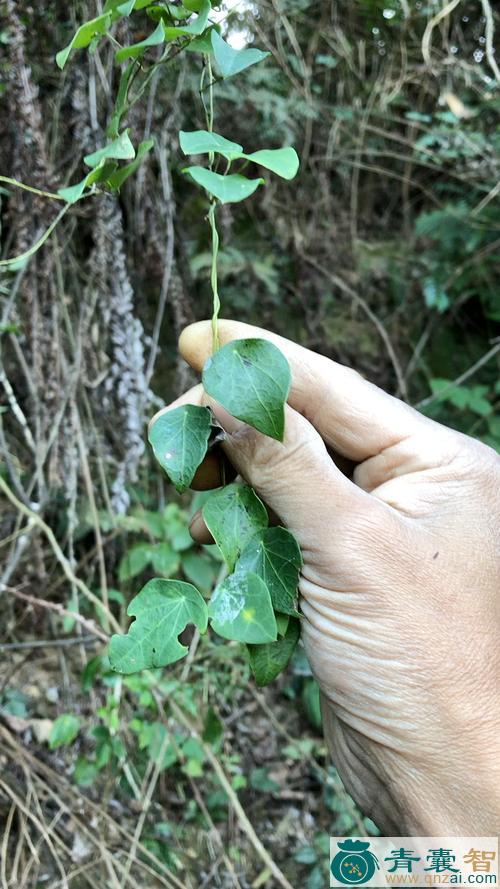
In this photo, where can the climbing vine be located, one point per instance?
(255, 603)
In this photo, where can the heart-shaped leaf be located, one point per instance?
(240, 609)
(195, 27)
(282, 161)
(268, 661)
(179, 439)
(275, 556)
(137, 49)
(227, 189)
(231, 61)
(234, 515)
(116, 180)
(162, 609)
(251, 379)
(83, 37)
(202, 142)
(120, 148)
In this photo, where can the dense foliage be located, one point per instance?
(382, 253)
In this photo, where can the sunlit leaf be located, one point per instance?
(204, 42)
(162, 609)
(195, 27)
(203, 142)
(241, 609)
(231, 61)
(234, 515)
(251, 379)
(179, 439)
(282, 161)
(227, 189)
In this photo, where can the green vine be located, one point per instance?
(256, 603)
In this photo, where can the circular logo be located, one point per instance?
(354, 864)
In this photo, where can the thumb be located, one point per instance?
(296, 477)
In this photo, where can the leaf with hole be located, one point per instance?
(120, 148)
(268, 661)
(162, 609)
(227, 189)
(179, 439)
(83, 37)
(234, 515)
(137, 49)
(251, 379)
(275, 556)
(231, 61)
(240, 609)
(203, 142)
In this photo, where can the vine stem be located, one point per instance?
(41, 241)
(43, 194)
(209, 114)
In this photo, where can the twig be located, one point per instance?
(338, 282)
(461, 379)
(431, 24)
(489, 31)
(35, 519)
(239, 811)
(49, 643)
(89, 625)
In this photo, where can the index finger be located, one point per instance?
(353, 416)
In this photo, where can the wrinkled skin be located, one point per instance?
(400, 590)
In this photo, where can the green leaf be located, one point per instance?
(231, 61)
(120, 148)
(203, 142)
(268, 661)
(132, 52)
(200, 570)
(240, 609)
(251, 379)
(83, 37)
(195, 27)
(162, 609)
(282, 621)
(234, 515)
(164, 559)
(260, 780)
(282, 161)
(228, 189)
(64, 730)
(204, 42)
(179, 439)
(73, 193)
(117, 179)
(119, 110)
(134, 561)
(275, 556)
(125, 8)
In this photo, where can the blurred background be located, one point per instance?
(383, 254)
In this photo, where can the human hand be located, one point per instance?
(400, 589)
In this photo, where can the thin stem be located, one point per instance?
(214, 277)
(43, 194)
(33, 249)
